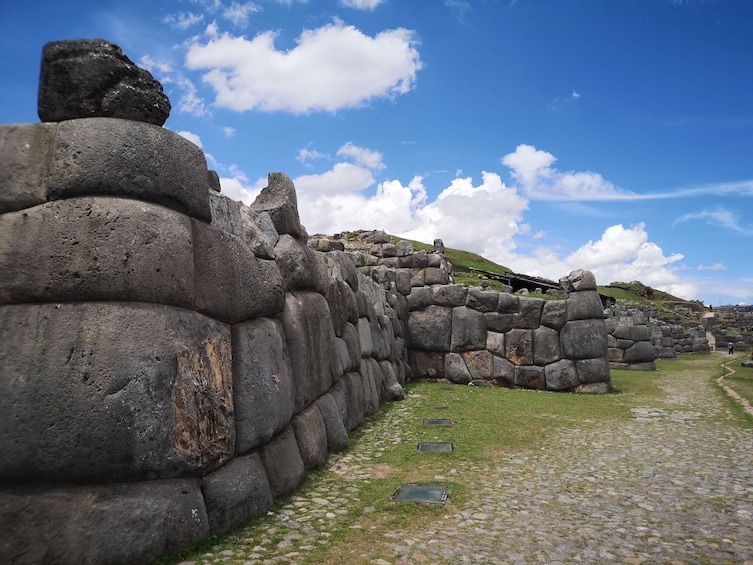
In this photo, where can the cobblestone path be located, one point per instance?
(672, 485)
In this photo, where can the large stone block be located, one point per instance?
(118, 524)
(584, 339)
(449, 295)
(282, 462)
(262, 382)
(337, 435)
(255, 228)
(504, 371)
(584, 306)
(112, 392)
(365, 337)
(96, 249)
(482, 300)
(468, 329)
(495, 343)
(338, 305)
(371, 381)
(235, 493)
(24, 163)
(519, 347)
(578, 280)
(81, 78)
(480, 364)
(112, 157)
(554, 314)
(311, 436)
(353, 341)
(508, 303)
(561, 375)
(529, 376)
(279, 200)
(311, 345)
(392, 389)
(344, 268)
(592, 370)
(427, 364)
(301, 267)
(640, 352)
(456, 370)
(431, 328)
(232, 285)
(497, 322)
(354, 393)
(529, 316)
(546, 346)
(419, 298)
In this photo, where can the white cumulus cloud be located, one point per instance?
(361, 4)
(332, 67)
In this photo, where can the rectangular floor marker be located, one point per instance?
(437, 422)
(435, 494)
(436, 446)
(441, 408)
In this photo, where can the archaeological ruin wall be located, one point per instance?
(172, 360)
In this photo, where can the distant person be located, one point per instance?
(731, 347)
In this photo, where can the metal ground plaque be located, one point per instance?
(436, 446)
(437, 422)
(434, 494)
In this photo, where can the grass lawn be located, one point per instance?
(742, 380)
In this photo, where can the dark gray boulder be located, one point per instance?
(262, 382)
(236, 493)
(468, 329)
(337, 435)
(118, 524)
(25, 151)
(108, 391)
(584, 339)
(311, 436)
(283, 463)
(561, 375)
(84, 78)
(430, 329)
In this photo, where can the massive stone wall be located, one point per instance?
(172, 360)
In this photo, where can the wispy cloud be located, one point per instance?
(561, 101)
(714, 267)
(720, 217)
(361, 4)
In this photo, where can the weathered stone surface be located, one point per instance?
(262, 382)
(84, 78)
(435, 275)
(529, 316)
(232, 285)
(640, 352)
(584, 305)
(578, 280)
(279, 200)
(456, 370)
(282, 462)
(427, 364)
(495, 343)
(354, 394)
(530, 376)
(310, 340)
(479, 364)
(302, 268)
(96, 249)
(482, 300)
(25, 151)
(546, 346)
(118, 524)
(561, 375)
(519, 347)
(584, 339)
(110, 157)
(468, 329)
(497, 322)
(112, 392)
(352, 340)
(338, 306)
(593, 388)
(554, 314)
(645, 366)
(504, 371)
(431, 328)
(371, 382)
(592, 370)
(365, 337)
(344, 268)
(393, 390)
(311, 436)
(508, 303)
(235, 493)
(615, 355)
(640, 333)
(337, 436)
(449, 295)
(419, 298)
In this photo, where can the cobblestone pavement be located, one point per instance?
(672, 485)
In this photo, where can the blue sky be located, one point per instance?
(547, 135)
